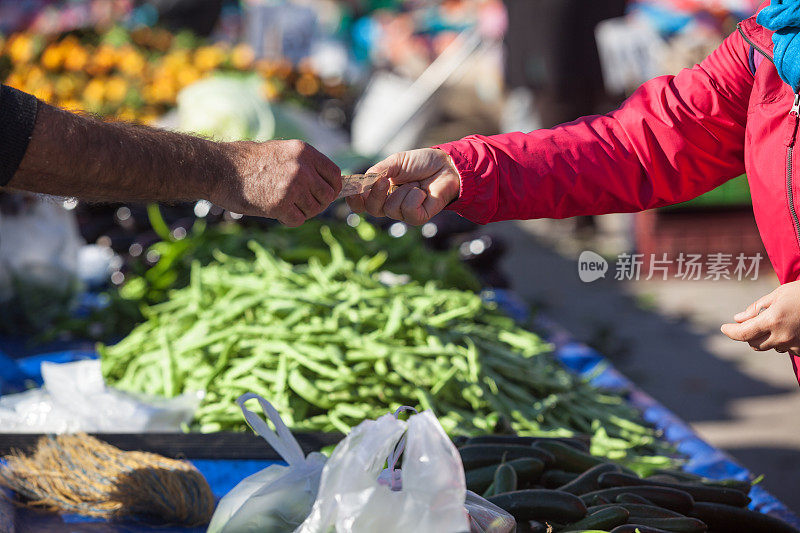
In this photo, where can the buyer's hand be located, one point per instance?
(771, 322)
(424, 181)
(286, 180)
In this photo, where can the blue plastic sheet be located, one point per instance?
(223, 475)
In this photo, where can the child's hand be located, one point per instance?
(426, 182)
(772, 321)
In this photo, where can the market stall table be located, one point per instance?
(224, 474)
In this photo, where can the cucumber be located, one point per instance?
(672, 499)
(638, 510)
(734, 484)
(479, 479)
(587, 482)
(598, 500)
(681, 476)
(579, 442)
(505, 479)
(541, 504)
(568, 458)
(720, 517)
(629, 497)
(601, 519)
(527, 469)
(637, 528)
(678, 525)
(556, 478)
(478, 455)
(664, 478)
(700, 493)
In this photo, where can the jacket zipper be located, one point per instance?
(754, 45)
(794, 121)
(794, 118)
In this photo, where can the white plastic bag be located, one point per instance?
(41, 241)
(74, 398)
(356, 494)
(278, 498)
(486, 517)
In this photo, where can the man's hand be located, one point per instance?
(425, 182)
(286, 180)
(772, 321)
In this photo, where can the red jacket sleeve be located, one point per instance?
(675, 138)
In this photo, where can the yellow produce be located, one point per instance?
(176, 60)
(272, 90)
(161, 91)
(266, 68)
(52, 57)
(138, 80)
(307, 85)
(35, 76)
(188, 75)
(66, 87)
(76, 59)
(20, 48)
(131, 61)
(116, 89)
(102, 61)
(208, 58)
(242, 56)
(94, 92)
(15, 79)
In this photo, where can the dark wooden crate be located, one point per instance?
(226, 445)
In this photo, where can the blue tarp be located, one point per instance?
(222, 475)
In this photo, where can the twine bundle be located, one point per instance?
(80, 474)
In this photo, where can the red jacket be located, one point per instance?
(675, 138)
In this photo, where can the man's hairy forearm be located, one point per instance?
(72, 155)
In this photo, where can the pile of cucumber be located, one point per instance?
(555, 484)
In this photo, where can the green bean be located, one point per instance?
(306, 390)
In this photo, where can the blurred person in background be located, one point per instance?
(199, 16)
(552, 62)
(45, 149)
(551, 51)
(674, 139)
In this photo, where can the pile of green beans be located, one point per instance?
(330, 345)
(150, 284)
